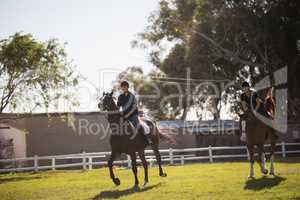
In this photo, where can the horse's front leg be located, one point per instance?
(145, 165)
(272, 157)
(134, 169)
(111, 172)
(251, 159)
(262, 159)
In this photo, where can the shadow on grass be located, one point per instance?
(119, 193)
(263, 182)
(15, 179)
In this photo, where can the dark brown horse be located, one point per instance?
(125, 139)
(259, 133)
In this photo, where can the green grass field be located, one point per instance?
(194, 181)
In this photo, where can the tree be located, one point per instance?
(34, 74)
(231, 39)
(175, 22)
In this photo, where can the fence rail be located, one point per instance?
(169, 156)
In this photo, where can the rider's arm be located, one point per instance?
(244, 106)
(270, 106)
(119, 102)
(244, 103)
(258, 102)
(133, 108)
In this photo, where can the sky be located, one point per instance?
(98, 35)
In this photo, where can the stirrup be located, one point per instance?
(148, 137)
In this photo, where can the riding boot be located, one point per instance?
(149, 139)
(243, 136)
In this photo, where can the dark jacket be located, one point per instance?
(251, 102)
(128, 104)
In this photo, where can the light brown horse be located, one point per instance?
(259, 133)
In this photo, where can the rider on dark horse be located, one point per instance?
(129, 109)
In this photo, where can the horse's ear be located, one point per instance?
(103, 94)
(112, 92)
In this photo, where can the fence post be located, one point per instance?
(128, 161)
(171, 156)
(210, 154)
(36, 163)
(283, 150)
(182, 160)
(53, 163)
(90, 161)
(83, 160)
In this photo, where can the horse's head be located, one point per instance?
(107, 102)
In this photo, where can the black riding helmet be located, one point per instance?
(245, 84)
(124, 84)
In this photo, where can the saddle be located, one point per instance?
(147, 124)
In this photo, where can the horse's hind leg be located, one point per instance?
(272, 157)
(262, 159)
(134, 169)
(111, 172)
(145, 165)
(158, 159)
(251, 156)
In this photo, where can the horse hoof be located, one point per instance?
(250, 177)
(265, 171)
(272, 173)
(117, 181)
(163, 175)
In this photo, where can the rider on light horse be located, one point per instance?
(250, 100)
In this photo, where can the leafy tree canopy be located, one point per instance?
(34, 74)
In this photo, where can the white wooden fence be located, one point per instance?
(169, 156)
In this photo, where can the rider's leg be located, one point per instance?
(243, 136)
(135, 122)
(149, 138)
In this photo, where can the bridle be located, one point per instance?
(105, 106)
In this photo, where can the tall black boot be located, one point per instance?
(149, 138)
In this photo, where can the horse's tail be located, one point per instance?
(167, 135)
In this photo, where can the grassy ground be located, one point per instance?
(195, 181)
